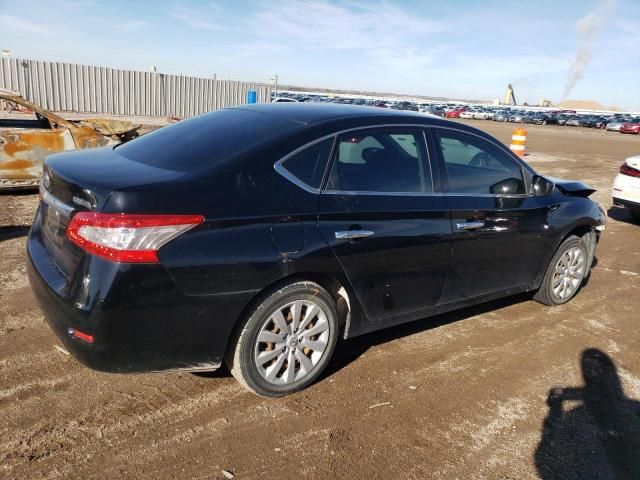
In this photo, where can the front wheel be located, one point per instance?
(565, 273)
(286, 341)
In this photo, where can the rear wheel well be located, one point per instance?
(329, 283)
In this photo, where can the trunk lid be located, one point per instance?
(84, 181)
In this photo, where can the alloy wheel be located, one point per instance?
(291, 342)
(568, 273)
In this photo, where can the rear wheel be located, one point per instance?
(287, 340)
(635, 214)
(565, 273)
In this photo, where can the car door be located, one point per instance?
(499, 237)
(389, 228)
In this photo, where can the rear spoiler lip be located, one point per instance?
(574, 188)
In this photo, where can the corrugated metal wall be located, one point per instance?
(82, 88)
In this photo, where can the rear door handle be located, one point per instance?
(469, 225)
(353, 234)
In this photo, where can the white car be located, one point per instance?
(467, 114)
(626, 186)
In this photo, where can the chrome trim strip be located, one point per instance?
(278, 167)
(52, 201)
(295, 180)
(353, 234)
(395, 194)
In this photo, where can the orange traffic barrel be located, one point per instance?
(519, 141)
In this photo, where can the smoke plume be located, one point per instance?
(587, 28)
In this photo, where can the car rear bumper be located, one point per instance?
(626, 191)
(138, 319)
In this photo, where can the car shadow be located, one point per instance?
(8, 232)
(591, 431)
(349, 350)
(622, 215)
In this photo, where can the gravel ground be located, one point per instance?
(507, 390)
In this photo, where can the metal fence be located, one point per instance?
(83, 88)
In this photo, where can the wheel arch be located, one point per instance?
(340, 291)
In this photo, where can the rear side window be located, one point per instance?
(206, 140)
(381, 161)
(309, 164)
(477, 167)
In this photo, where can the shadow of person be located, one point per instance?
(592, 432)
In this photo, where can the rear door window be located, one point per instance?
(381, 161)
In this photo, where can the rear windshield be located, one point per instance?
(206, 140)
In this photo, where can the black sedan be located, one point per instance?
(259, 235)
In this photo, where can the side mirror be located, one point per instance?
(542, 186)
(509, 186)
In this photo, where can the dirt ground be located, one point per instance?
(461, 396)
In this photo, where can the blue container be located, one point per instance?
(252, 96)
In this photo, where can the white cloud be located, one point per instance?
(13, 23)
(194, 19)
(323, 25)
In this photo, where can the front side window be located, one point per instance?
(477, 167)
(308, 165)
(380, 161)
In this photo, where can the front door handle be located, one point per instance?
(469, 225)
(353, 234)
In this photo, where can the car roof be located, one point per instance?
(312, 113)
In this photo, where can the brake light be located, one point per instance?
(630, 171)
(78, 335)
(121, 237)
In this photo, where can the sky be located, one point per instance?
(459, 49)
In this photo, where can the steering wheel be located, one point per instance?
(480, 159)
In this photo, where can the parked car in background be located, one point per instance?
(454, 113)
(626, 187)
(284, 100)
(573, 121)
(501, 116)
(616, 124)
(28, 133)
(631, 127)
(259, 235)
(489, 114)
(517, 117)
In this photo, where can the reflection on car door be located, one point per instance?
(389, 230)
(497, 226)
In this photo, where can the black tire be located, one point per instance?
(240, 357)
(545, 293)
(635, 214)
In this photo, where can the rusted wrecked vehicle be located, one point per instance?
(29, 133)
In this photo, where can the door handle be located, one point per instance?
(353, 234)
(469, 225)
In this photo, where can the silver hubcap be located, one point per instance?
(568, 273)
(291, 342)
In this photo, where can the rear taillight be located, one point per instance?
(630, 171)
(122, 237)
